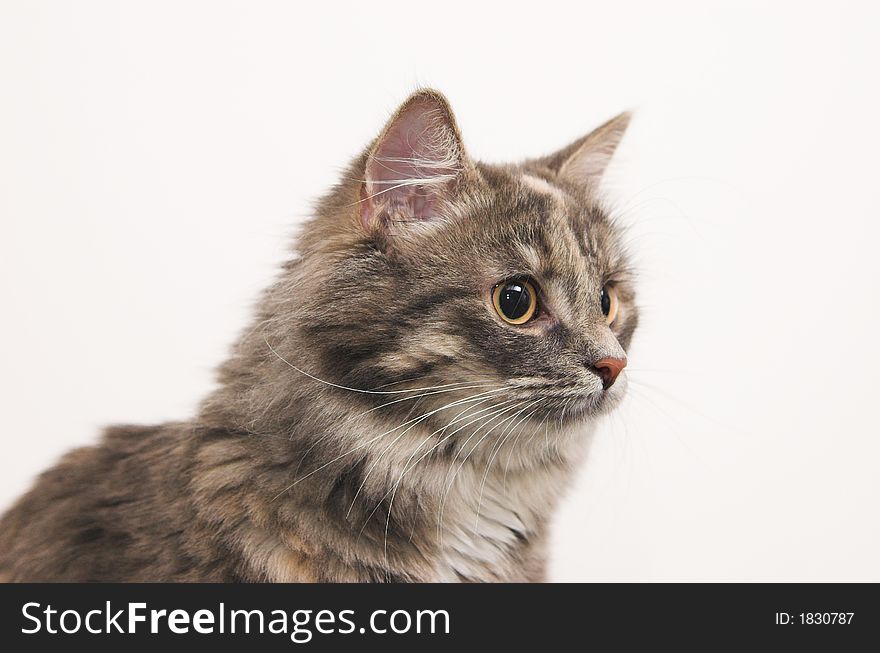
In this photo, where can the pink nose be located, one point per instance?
(608, 369)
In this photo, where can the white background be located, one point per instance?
(155, 156)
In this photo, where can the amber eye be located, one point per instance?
(515, 301)
(608, 300)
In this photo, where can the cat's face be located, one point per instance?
(478, 287)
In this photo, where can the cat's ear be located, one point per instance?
(585, 161)
(412, 166)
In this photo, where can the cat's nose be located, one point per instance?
(608, 370)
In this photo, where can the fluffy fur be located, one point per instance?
(378, 421)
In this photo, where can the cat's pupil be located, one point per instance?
(514, 300)
(606, 302)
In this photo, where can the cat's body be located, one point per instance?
(179, 503)
(379, 422)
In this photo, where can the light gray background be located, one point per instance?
(154, 158)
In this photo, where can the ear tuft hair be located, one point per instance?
(412, 164)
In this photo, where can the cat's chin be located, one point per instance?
(596, 403)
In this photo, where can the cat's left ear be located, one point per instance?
(585, 161)
(412, 168)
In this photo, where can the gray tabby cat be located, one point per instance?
(409, 404)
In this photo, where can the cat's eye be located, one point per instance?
(608, 301)
(515, 301)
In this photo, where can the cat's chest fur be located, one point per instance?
(484, 519)
(493, 525)
(483, 529)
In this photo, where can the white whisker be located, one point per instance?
(364, 444)
(440, 442)
(492, 455)
(451, 482)
(343, 387)
(415, 423)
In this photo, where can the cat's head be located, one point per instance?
(425, 269)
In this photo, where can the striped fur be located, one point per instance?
(378, 421)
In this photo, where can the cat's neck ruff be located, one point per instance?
(493, 515)
(480, 518)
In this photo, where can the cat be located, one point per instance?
(409, 404)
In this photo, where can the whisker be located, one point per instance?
(494, 452)
(543, 422)
(393, 442)
(364, 444)
(350, 389)
(426, 394)
(352, 417)
(438, 444)
(388, 518)
(451, 482)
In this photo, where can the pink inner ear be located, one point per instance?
(415, 158)
(413, 203)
